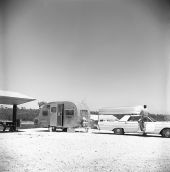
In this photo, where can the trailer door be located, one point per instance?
(53, 116)
(60, 115)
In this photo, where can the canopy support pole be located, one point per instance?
(14, 118)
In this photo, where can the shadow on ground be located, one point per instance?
(131, 134)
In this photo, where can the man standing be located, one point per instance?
(143, 114)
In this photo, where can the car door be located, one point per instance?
(131, 125)
(149, 125)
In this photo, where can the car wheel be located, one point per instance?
(118, 131)
(64, 129)
(166, 133)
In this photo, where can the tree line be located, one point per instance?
(30, 114)
(22, 113)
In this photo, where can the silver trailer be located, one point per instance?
(63, 115)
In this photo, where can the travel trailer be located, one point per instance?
(63, 115)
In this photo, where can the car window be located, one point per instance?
(134, 118)
(152, 119)
(124, 118)
(146, 119)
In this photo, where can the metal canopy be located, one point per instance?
(121, 110)
(13, 98)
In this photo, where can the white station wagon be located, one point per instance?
(129, 124)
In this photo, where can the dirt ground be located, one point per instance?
(32, 150)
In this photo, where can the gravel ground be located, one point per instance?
(33, 150)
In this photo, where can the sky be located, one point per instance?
(1, 45)
(105, 53)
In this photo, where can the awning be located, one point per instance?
(121, 110)
(13, 98)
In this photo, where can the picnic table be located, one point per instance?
(9, 124)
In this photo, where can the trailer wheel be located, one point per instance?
(64, 129)
(118, 131)
(53, 129)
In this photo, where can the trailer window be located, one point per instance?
(69, 112)
(53, 109)
(45, 113)
(48, 106)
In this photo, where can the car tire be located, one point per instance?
(118, 131)
(166, 133)
(64, 129)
